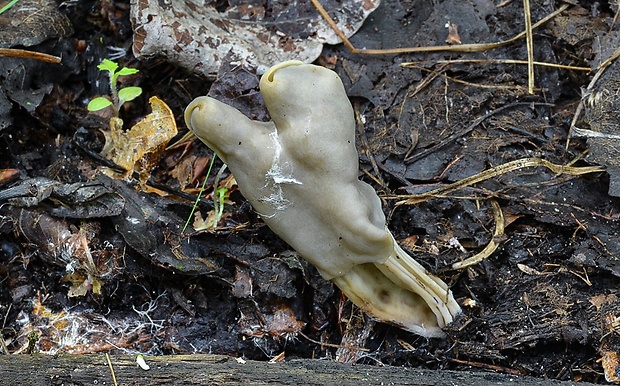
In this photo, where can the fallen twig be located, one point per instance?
(18, 53)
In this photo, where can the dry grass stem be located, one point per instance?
(495, 61)
(498, 216)
(107, 357)
(491, 173)
(530, 46)
(454, 48)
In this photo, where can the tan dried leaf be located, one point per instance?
(81, 284)
(609, 360)
(528, 270)
(599, 300)
(183, 171)
(140, 148)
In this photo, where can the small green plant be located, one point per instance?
(219, 198)
(119, 97)
(33, 338)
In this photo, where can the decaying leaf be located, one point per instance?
(601, 299)
(280, 324)
(76, 331)
(26, 82)
(87, 263)
(606, 311)
(197, 36)
(79, 200)
(183, 171)
(82, 284)
(453, 34)
(21, 25)
(611, 364)
(140, 148)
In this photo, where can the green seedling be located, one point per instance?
(220, 196)
(119, 97)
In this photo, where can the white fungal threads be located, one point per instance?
(276, 173)
(276, 176)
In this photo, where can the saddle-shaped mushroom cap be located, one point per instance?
(300, 173)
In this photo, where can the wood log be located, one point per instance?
(93, 369)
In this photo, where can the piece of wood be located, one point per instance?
(18, 53)
(39, 370)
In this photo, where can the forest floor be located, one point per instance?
(94, 261)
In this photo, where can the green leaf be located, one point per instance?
(98, 104)
(127, 71)
(108, 65)
(128, 94)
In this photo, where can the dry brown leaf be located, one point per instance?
(453, 34)
(197, 36)
(183, 171)
(81, 284)
(409, 242)
(140, 148)
(201, 223)
(528, 270)
(283, 323)
(213, 218)
(599, 300)
(611, 365)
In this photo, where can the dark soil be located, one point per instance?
(113, 271)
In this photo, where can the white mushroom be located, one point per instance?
(300, 173)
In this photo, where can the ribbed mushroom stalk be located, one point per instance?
(300, 173)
